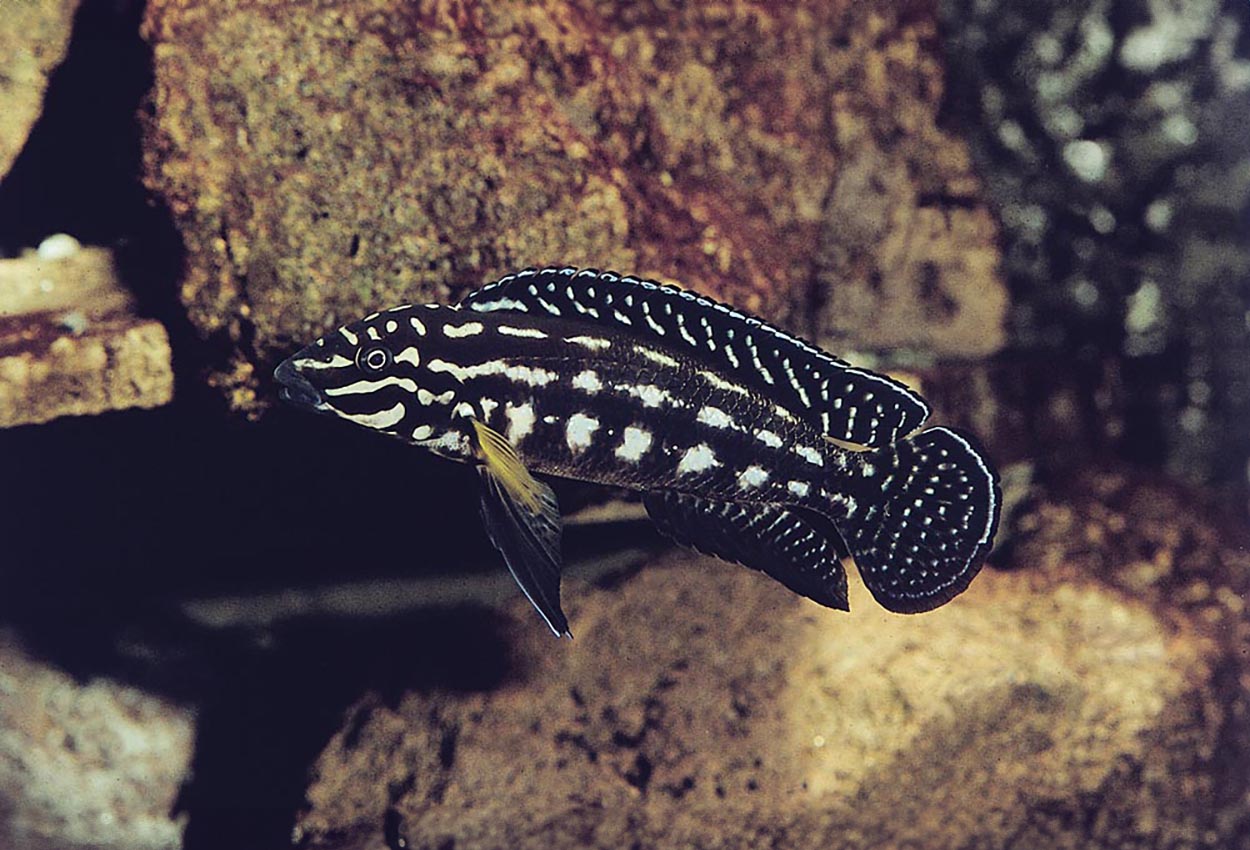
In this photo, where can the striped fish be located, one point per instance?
(746, 442)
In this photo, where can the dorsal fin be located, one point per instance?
(846, 403)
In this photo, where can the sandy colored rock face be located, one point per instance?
(754, 717)
(33, 38)
(321, 163)
(70, 345)
(87, 764)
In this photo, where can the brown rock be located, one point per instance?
(321, 163)
(94, 764)
(33, 38)
(702, 705)
(69, 345)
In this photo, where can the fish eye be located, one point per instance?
(373, 359)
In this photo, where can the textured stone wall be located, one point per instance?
(325, 163)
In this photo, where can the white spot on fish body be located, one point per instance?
(450, 442)
(359, 387)
(520, 422)
(503, 304)
(799, 488)
(392, 326)
(698, 458)
(715, 417)
(417, 325)
(349, 336)
(681, 329)
(656, 356)
(650, 395)
(634, 444)
(594, 343)
(768, 438)
(579, 432)
(458, 331)
(372, 333)
(752, 476)
(488, 406)
(811, 455)
(588, 381)
(380, 420)
(531, 333)
(423, 432)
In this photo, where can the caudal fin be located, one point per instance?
(926, 509)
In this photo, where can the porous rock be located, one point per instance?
(323, 162)
(87, 764)
(70, 344)
(1068, 705)
(33, 38)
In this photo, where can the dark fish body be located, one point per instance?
(745, 441)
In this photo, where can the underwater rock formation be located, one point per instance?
(33, 38)
(70, 343)
(321, 163)
(1091, 701)
(87, 764)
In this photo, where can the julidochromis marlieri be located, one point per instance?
(744, 441)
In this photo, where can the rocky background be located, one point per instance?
(1038, 213)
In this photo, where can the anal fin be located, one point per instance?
(522, 518)
(773, 539)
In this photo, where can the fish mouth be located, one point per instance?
(296, 389)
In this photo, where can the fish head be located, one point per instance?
(372, 373)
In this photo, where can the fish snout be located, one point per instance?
(296, 388)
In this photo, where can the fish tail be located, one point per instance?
(922, 517)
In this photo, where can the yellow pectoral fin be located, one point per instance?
(502, 462)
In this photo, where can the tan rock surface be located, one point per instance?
(87, 764)
(70, 345)
(33, 38)
(321, 163)
(702, 705)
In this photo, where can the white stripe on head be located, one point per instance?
(380, 420)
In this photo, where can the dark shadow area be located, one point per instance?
(114, 521)
(257, 737)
